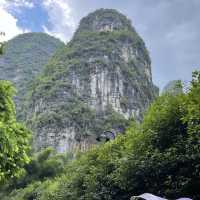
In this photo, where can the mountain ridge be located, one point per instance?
(96, 83)
(24, 58)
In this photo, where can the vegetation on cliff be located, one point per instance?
(96, 83)
(24, 58)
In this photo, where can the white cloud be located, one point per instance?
(8, 23)
(17, 3)
(23, 3)
(61, 22)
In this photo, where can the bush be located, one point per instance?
(160, 156)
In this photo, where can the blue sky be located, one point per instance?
(170, 28)
(32, 19)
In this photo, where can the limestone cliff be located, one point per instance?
(96, 83)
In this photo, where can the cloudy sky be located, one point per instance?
(170, 28)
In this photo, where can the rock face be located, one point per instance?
(95, 84)
(24, 57)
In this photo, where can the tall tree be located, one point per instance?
(1, 48)
(14, 137)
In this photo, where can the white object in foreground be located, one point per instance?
(184, 199)
(148, 196)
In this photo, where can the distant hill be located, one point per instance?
(173, 87)
(24, 57)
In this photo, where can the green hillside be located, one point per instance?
(24, 57)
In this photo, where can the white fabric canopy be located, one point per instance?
(148, 196)
(184, 199)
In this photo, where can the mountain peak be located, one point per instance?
(103, 20)
(92, 86)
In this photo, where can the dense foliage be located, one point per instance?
(43, 165)
(14, 137)
(160, 156)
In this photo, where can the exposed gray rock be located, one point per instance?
(100, 80)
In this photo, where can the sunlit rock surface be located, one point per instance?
(100, 80)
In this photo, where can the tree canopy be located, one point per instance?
(1, 48)
(14, 137)
(160, 156)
